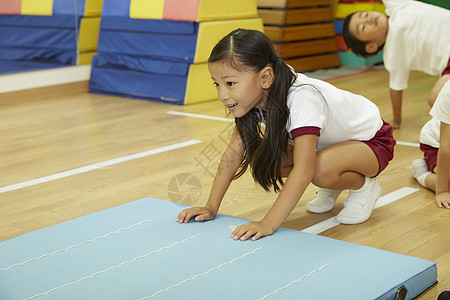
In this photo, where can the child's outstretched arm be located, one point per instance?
(396, 101)
(300, 176)
(443, 168)
(230, 162)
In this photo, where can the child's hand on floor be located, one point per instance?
(443, 200)
(255, 229)
(200, 213)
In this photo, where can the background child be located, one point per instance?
(413, 36)
(314, 132)
(433, 171)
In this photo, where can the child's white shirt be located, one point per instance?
(430, 133)
(340, 115)
(418, 39)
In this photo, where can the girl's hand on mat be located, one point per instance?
(443, 200)
(200, 213)
(255, 229)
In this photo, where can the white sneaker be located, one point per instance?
(360, 203)
(324, 201)
(419, 167)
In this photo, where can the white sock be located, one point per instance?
(368, 183)
(421, 179)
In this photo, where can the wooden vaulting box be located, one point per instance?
(302, 32)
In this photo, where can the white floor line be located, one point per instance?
(99, 165)
(408, 144)
(386, 199)
(178, 113)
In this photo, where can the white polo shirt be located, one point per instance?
(430, 133)
(418, 39)
(333, 114)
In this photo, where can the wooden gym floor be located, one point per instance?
(61, 129)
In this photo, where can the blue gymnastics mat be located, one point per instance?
(138, 251)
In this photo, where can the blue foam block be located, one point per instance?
(139, 251)
(32, 42)
(140, 78)
(170, 40)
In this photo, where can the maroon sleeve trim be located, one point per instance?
(305, 130)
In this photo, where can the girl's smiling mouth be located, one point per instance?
(231, 106)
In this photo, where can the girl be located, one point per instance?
(314, 133)
(433, 171)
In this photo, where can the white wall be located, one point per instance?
(35, 79)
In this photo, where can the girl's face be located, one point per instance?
(240, 90)
(369, 26)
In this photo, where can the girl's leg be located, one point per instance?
(349, 165)
(345, 166)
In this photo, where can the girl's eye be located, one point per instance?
(229, 83)
(215, 84)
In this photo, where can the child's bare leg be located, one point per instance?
(349, 165)
(345, 166)
(436, 89)
(396, 101)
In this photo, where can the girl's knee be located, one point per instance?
(324, 173)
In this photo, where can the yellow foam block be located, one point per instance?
(193, 10)
(37, 7)
(88, 35)
(344, 9)
(199, 87)
(85, 58)
(210, 33)
(147, 9)
(93, 8)
(226, 9)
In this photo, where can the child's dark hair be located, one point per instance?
(264, 151)
(358, 47)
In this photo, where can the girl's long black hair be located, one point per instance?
(264, 149)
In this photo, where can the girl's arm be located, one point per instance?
(443, 168)
(298, 180)
(230, 162)
(396, 100)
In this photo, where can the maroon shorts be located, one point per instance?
(447, 69)
(430, 155)
(382, 144)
